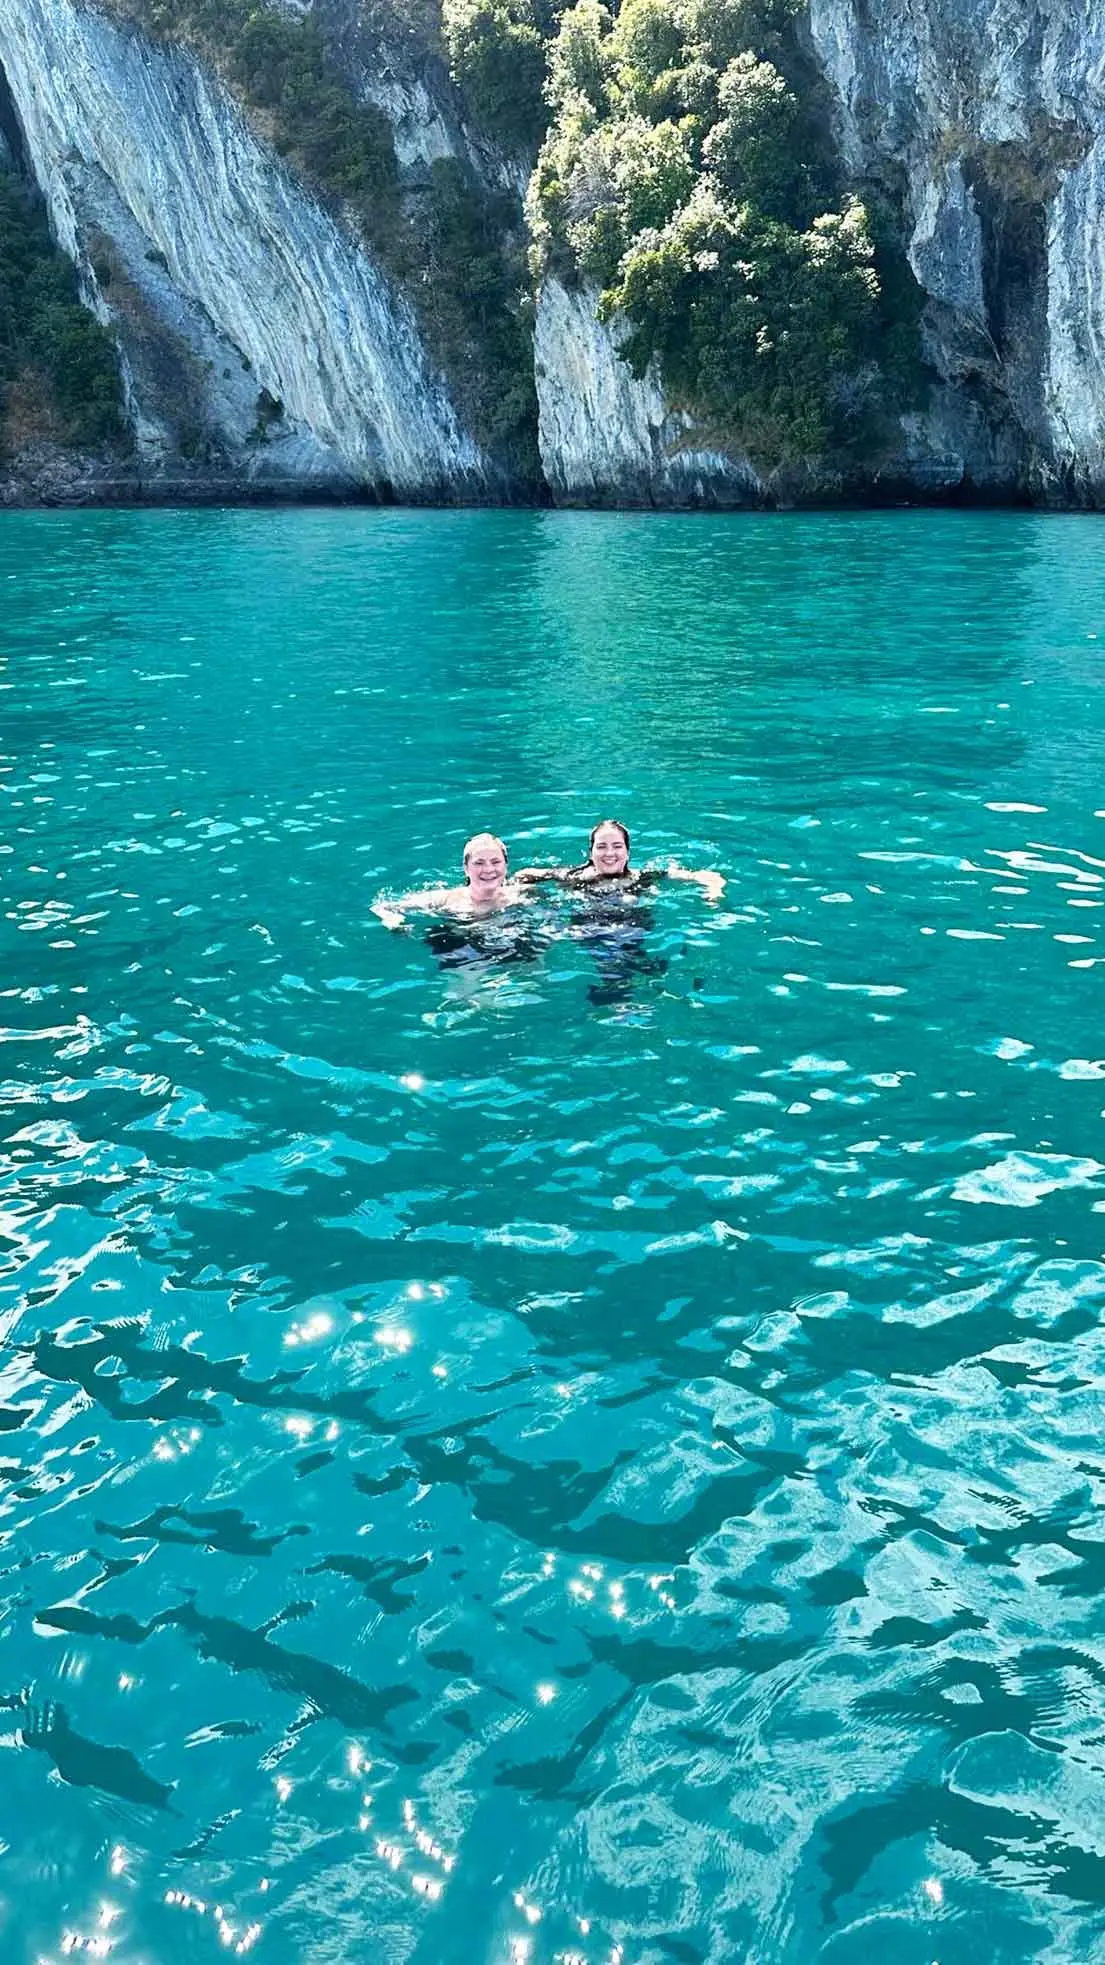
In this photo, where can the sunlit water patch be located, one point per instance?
(588, 1457)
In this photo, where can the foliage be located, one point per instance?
(497, 58)
(578, 64)
(720, 30)
(748, 315)
(45, 331)
(754, 150)
(619, 181)
(644, 53)
(683, 172)
(474, 309)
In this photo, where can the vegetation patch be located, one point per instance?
(496, 51)
(54, 353)
(686, 171)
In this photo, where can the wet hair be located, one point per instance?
(482, 839)
(595, 830)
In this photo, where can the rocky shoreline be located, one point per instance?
(46, 477)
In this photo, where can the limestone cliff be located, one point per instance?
(265, 345)
(259, 339)
(982, 123)
(607, 438)
(988, 117)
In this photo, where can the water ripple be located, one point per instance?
(569, 1463)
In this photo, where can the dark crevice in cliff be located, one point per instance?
(1014, 268)
(1014, 282)
(11, 130)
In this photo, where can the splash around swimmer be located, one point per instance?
(488, 886)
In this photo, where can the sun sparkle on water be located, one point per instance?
(596, 1451)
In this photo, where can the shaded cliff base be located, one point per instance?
(44, 475)
(958, 452)
(41, 474)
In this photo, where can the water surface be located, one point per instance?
(597, 1457)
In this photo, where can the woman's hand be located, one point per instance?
(712, 884)
(389, 914)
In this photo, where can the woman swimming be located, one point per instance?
(608, 861)
(474, 925)
(487, 887)
(613, 926)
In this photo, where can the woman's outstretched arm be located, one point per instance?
(393, 913)
(711, 883)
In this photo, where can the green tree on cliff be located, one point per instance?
(48, 340)
(684, 175)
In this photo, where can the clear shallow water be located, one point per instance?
(492, 1472)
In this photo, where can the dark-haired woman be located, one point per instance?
(615, 929)
(608, 860)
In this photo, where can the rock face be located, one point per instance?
(607, 438)
(386, 63)
(988, 117)
(985, 122)
(264, 349)
(259, 340)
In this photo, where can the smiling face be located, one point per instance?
(485, 865)
(609, 849)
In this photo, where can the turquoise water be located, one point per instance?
(591, 1457)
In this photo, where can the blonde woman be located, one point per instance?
(486, 888)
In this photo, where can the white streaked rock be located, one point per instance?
(994, 113)
(225, 250)
(607, 437)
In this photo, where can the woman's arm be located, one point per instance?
(390, 913)
(393, 914)
(532, 874)
(712, 884)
